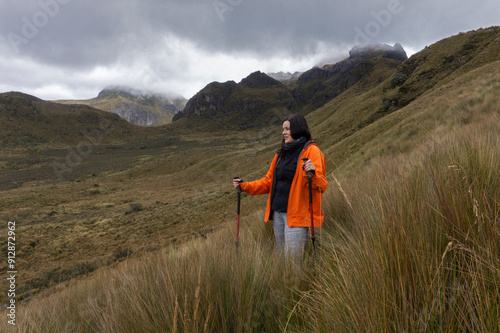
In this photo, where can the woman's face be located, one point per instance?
(287, 135)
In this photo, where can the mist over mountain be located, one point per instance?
(285, 78)
(395, 52)
(131, 92)
(138, 107)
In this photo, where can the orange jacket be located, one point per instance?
(298, 214)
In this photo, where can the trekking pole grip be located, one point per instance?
(308, 173)
(239, 187)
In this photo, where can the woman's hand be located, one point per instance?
(236, 182)
(308, 165)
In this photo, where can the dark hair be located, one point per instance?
(298, 126)
(298, 129)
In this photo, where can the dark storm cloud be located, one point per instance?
(265, 26)
(72, 31)
(67, 32)
(86, 32)
(185, 37)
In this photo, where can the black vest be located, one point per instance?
(284, 172)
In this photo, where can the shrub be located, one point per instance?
(398, 80)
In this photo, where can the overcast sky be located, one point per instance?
(72, 49)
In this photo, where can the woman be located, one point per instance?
(287, 186)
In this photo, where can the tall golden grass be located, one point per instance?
(418, 250)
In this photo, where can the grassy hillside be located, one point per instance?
(410, 241)
(28, 122)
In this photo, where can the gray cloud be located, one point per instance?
(177, 44)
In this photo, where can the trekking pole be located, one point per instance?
(238, 190)
(309, 181)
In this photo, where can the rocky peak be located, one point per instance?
(284, 77)
(395, 52)
(115, 91)
(213, 97)
(252, 99)
(138, 106)
(259, 80)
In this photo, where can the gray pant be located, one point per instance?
(289, 240)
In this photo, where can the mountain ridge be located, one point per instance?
(306, 92)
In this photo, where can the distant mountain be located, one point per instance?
(439, 63)
(407, 88)
(285, 78)
(241, 105)
(395, 52)
(135, 106)
(366, 67)
(260, 98)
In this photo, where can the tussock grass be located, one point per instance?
(418, 251)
